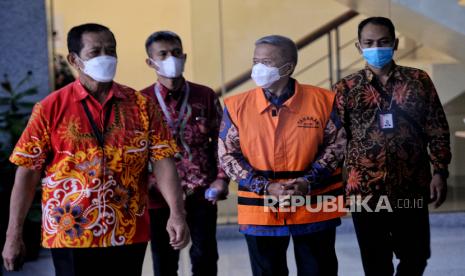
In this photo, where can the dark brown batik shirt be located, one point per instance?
(395, 162)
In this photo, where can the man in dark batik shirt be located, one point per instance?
(393, 116)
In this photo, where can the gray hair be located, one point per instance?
(285, 44)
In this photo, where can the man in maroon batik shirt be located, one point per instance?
(193, 113)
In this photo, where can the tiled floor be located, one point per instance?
(455, 199)
(447, 241)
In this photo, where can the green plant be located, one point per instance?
(14, 113)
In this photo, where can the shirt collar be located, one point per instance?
(80, 93)
(393, 72)
(295, 101)
(175, 94)
(280, 100)
(292, 102)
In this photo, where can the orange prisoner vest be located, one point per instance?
(282, 144)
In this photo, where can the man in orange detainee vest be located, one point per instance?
(279, 142)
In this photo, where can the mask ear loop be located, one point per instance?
(287, 63)
(82, 62)
(154, 63)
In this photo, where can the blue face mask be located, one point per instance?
(378, 57)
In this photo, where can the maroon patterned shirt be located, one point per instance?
(200, 167)
(394, 163)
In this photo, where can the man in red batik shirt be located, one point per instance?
(91, 142)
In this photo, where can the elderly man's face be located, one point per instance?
(268, 55)
(97, 44)
(94, 44)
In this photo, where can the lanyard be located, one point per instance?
(386, 119)
(181, 122)
(100, 136)
(174, 125)
(378, 88)
(377, 103)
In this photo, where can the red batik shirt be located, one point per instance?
(200, 167)
(394, 163)
(93, 197)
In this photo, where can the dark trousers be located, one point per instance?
(123, 260)
(314, 254)
(201, 219)
(404, 232)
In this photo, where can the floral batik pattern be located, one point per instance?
(396, 162)
(93, 196)
(197, 162)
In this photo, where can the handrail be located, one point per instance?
(331, 25)
(322, 58)
(361, 59)
(301, 43)
(398, 58)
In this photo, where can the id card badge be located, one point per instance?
(386, 121)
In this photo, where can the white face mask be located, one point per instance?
(101, 68)
(265, 76)
(171, 67)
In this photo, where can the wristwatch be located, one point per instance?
(444, 173)
(309, 185)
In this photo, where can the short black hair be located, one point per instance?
(378, 20)
(75, 35)
(161, 36)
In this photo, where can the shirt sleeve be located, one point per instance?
(330, 153)
(232, 160)
(437, 129)
(340, 103)
(33, 148)
(215, 119)
(161, 142)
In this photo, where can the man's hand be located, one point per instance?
(297, 186)
(438, 190)
(13, 252)
(170, 188)
(275, 189)
(223, 190)
(21, 199)
(284, 190)
(178, 231)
